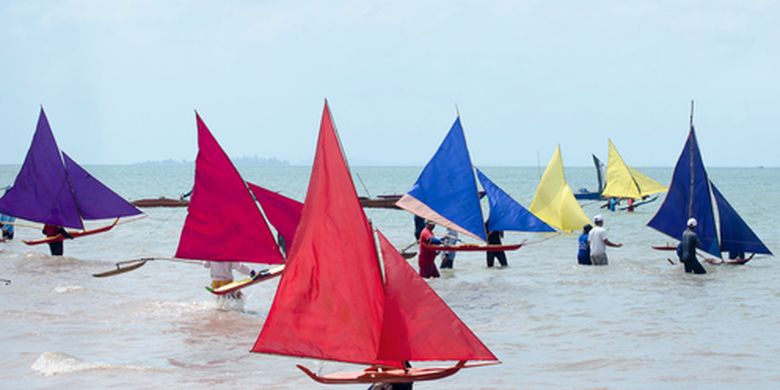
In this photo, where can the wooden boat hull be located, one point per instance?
(82, 233)
(160, 202)
(380, 202)
(587, 196)
(394, 375)
(388, 201)
(120, 270)
(239, 284)
(474, 248)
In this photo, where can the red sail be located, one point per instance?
(417, 324)
(329, 301)
(223, 222)
(284, 213)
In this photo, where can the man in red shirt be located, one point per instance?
(56, 247)
(427, 257)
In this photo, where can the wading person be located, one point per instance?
(494, 238)
(222, 274)
(583, 254)
(58, 247)
(426, 258)
(690, 241)
(598, 241)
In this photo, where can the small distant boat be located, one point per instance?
(347, 295)
(586, 194)
(388, 201)
(690, 196)
(51, 188)
(160, 202)
(380, 202)
(554, 202)
(624, 182)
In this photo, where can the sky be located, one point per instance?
(119, 79)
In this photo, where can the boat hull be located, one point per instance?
(60, 237)
(393, 375)
(160, 202)
(239, 284)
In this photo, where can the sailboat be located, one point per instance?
(506, 213)
(446, 193)
(223, 222)
(345, 298)
(626, 182)
(51, 188)
(584, 193)
(690, 195)
(554, 203)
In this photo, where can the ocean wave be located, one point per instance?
(57, 363)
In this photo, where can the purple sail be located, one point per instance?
(41, 191)
(94, 199)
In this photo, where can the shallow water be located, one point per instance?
(639, 323)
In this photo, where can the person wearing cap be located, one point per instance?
(690, 241)
(448, 257)
(426, 258)
(597, 239)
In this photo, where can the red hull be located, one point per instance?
(474, 248)
(83, 233)
(393, 375)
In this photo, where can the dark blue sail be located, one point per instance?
(688, 196)
(446, 191)
(506, 213)
(735, 234)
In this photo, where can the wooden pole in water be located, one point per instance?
(690, 151)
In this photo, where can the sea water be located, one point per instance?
(639, 323)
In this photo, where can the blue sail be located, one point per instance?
(735, 234)
(688, 196)
(506, 213)
(446, 191)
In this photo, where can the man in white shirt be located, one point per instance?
(597, 239)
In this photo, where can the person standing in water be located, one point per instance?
(419, 225)
(583, 254)
(448, 257)
(598, 241)
(494, 238)
(690, 241)
(222, 274)
(426, 258)
(7, 226)
(57, 247)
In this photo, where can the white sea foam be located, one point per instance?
(58, 363)
(67, 289)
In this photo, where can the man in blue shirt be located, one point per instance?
(7, 229)
(583, 255)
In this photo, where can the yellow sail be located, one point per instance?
(554, 202)
(626, 182)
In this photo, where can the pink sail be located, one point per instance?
(283, 213)
(223, 222)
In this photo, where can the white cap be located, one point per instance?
(598, 218)
(692, 222)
